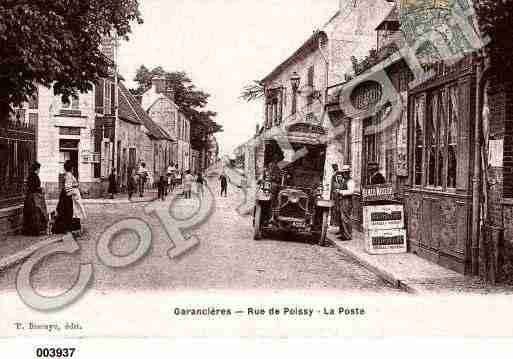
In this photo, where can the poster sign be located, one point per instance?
(496, 153)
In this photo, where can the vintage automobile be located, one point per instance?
(295, 204)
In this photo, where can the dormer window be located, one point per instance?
(274, 107)
(388, 28)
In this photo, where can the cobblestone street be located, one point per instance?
(226, 258)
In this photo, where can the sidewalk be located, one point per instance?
(14, 249)
(120, 198)
(412, 273)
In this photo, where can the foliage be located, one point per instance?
(252, 92)
(191, 100)
(495, 18)
(57, 42)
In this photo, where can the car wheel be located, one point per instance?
(257, 223)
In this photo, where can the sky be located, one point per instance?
(223, 45)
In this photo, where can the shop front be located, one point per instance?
(439, 194)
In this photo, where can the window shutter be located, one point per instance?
(311, 76)
(99, 96)
(112, 99)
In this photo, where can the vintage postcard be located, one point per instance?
(291, 168)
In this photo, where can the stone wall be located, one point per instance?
(11, 220)
(496, 252)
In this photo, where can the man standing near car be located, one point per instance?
(345, 198)
(336, 184)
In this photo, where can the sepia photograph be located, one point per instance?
(255, 168)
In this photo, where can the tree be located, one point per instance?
(253, 91)
(495, 18)
(191, 100)
(57, 42)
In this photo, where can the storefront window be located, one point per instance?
(380, 146)
(436, 139)
(452, 137)
(418, 115)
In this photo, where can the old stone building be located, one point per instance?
(66, 132)
(158, 102)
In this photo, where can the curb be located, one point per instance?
(107, 201)
(381, 273)
(27, 252)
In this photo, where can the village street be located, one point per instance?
(226, 258)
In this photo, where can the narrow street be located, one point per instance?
(226, 258)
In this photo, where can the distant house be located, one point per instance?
(158, 102)
(155, 148)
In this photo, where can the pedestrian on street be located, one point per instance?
(142, 177)
(171, 177)
(70, 210)
(162, 188)
(112, 183)
(177, 178)
(132, 184)
(346, 191)
(35, 214)
(224, 185)
(336, 183)
(187, 184)
(201, 182)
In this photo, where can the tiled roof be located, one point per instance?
(135, 110)
(125, 110)
(393, 16)
(309, 46)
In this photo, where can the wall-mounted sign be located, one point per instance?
(496, 153)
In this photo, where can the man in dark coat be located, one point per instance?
(224, 185)
(112, 183)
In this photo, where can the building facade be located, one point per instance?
(158, 102)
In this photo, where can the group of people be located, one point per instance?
(136, 181)
(70, 211)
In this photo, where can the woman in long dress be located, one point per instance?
(35, 214)
(70, 210)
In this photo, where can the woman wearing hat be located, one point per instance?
(35, 215)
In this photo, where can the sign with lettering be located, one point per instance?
(496, 153)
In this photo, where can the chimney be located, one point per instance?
(159, 83)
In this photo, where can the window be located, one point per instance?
(452, 136)
(113, 99)
(310, 83)
(436, 138)
(418, 122)
(179, 129)
(107, 98)
(379, 145)
(98, 96)
(274, 107)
